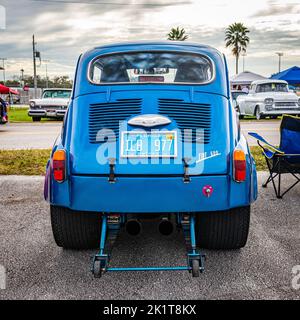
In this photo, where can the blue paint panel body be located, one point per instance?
(142, 187)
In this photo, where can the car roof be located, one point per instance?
(219, 85)
(268, 81)
(55, 89)
(141, 44)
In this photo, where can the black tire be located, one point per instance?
(75, 230)
(97, 271)
(225, 230)
(257, 114)
(239, 113)
(36, 119)
(195, 268)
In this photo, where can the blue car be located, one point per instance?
(150, 133)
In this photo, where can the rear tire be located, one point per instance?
(239, 113)
(74, 229)
(36, 119)
(225, 230)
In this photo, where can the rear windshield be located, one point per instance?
(161, 67)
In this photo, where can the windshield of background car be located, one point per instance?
(64, 94)
(272, 87)
(161, 67)
(236, 94)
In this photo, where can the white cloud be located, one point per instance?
(63, 31)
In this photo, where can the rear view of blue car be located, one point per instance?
(151, 133)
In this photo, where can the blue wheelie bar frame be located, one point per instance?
(102, 257)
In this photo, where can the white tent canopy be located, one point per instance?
(244, 79)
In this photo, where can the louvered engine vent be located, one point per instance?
(108, 115)
(193, 116)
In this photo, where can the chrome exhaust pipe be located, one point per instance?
(166, 227)
(133, 227)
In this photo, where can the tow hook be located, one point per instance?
(112, 177)
(186, 176)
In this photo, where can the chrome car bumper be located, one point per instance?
(46, 113)
(280, 111)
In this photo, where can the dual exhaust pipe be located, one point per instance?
(134, 227)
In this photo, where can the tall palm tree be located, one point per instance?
(177, 34)
(236, 37)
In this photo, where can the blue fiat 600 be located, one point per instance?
(150, 132)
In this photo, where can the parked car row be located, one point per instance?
(266, 98)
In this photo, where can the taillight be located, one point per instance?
(59, 165)
(239, 165)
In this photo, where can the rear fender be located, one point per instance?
(58, 193)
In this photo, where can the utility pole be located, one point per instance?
(22, 78)
(22, 74)
(280, 55)
(34, 67)
(3, 68)
(47, 80)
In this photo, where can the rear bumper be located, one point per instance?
(47, 114)
(151, 194)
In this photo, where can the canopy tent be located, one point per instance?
(245, 79)
(292, 76)
(7, 90)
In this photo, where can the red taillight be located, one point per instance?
(239, 165)
(59, 165)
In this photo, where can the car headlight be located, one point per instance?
(269, 101)
(32, 104)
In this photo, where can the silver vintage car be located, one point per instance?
(53, 104)
(268, 98)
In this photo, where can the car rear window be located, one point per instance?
(151, 67)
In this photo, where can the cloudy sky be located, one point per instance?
(65, 28)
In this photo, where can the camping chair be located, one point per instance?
(286, 158)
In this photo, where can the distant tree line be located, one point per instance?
(56, 82)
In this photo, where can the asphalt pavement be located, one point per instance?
(42, 135)
(38, 269)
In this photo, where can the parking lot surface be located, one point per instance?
(38, 269)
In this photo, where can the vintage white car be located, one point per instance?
(268, 98)
(53, 104)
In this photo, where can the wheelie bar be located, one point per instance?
(195, 260)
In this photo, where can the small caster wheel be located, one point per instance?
(265, 186)
(97, 271)
(195, 269)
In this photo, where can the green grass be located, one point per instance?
(23, 162)
(259, 158)
(33, 162)
(20, 115)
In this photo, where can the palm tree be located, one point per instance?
(177, 34)
(236, 37)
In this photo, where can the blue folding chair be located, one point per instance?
(286, 158)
